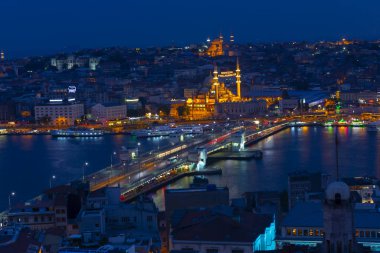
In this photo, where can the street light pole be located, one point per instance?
(9, 199)
(83, 168)
(138, 157)
(50, 180)
(138, 149)
(114, 153)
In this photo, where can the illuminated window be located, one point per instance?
(316, 232)
(299, 232)
(294, 232)
(322, 232)
(288, 231)
(311, 232)
(367, 234)
(357, 233)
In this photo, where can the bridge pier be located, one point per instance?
(199, 157)
(238, 141)
(202, 159)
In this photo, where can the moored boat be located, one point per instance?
(76, 132)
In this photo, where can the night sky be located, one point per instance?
(46, 26)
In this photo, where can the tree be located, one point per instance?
(182, 110)
(165, 109)
(45, 120)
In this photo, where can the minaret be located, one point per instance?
(2, 56)
(238, 81)
(215, 82)
(232, 38)
(221, 37)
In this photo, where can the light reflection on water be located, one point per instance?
(27, 162)
(311, 149)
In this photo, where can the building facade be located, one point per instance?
(59, 113)
(106, 112)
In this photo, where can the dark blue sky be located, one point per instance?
(43, 26)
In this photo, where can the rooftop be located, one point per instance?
(205, 225)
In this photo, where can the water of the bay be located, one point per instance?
(27, 162)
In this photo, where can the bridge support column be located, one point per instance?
(202, 158)
(238, 141)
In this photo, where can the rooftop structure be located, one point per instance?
(204, 230)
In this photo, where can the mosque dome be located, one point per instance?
(337, 190)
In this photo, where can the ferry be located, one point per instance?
(357, 123)
(155, 132)
(77, 132)
(191, 129)
(329, 123)
(167, 131)
(342, 122)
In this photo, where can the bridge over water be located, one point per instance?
(154, 169)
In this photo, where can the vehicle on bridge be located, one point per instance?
(172, 159)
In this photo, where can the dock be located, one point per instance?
(236, 155)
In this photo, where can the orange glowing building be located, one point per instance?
(204, 104)
(215, 48)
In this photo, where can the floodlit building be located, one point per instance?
(59, 112)
(69, 62)
(216, 47)
(204, 105)
(109, 111)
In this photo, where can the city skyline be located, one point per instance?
(189, 126)
(45, 27)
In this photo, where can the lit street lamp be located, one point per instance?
(83, 169)
(12, 194)
(138, 149)
(114, 153)
(50, 180)
(111, 168)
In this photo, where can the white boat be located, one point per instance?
(191, 129)
(76, 132)
(155, 132)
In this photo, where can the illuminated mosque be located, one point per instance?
(218, 47)
(219, 99)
